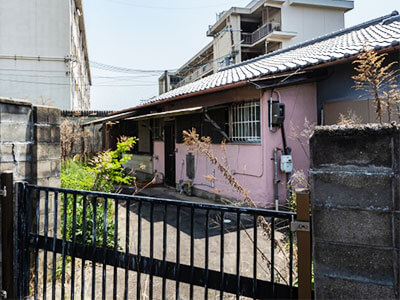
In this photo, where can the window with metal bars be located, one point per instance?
(245, 122)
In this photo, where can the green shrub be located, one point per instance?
(103, 173)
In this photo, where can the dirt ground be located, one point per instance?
(230, 239)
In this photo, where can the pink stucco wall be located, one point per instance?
(252, 164)
(159, 158)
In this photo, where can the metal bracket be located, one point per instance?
(300, 226)
(3, 193)
(3, 294)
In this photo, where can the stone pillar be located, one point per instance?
(355, 210)
(47, 149)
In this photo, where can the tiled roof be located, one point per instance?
(380, 33)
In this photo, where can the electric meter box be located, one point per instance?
(278, 113)
(286, 163)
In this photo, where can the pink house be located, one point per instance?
(235, 104)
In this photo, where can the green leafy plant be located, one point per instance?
(103, 173)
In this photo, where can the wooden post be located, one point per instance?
(304, 244)
(7, 233)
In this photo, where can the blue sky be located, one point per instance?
(159, 35)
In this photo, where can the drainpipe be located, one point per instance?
(276, 179)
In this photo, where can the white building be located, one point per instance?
(43, 52)
(263, 26)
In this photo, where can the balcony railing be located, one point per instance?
(267, 28)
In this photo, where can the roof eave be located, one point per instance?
(198, 93)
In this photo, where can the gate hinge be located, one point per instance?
(300, 226)
(3, 294)
(3, 193)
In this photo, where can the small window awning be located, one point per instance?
(170, 113)
(130, 115)
(110, 118)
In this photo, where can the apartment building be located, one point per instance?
(263, 26)
(43, 53)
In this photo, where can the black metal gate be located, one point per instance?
(90, 245)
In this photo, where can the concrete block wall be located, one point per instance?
(46, 148)
(16, 138)
(355, 210)
(30, 146)
(30, 142)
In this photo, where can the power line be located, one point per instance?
(121, 78)
(166, 7)
(69, 84)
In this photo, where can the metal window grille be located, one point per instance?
(157, 127)
(245, 122)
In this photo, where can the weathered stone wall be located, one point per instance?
(30, 142)
(46, 149)
(355, 211)
(30, 147)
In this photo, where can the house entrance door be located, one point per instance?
(169, 136)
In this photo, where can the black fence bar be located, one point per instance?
(84, 229)
(221, 257)
(230, 280)
(273, 254)
(55, 228)
(238, 223)
(64, 243)
(36, 267)
(191, 250)
(115, 286)
(139, 252)
(94, 235)
(188, 217)
(46, 233)
(74, 199)
(255, 249)
(105, 224)
(198, 205)
(164, 255)
(151, 249)
(206, 254)
(127, 231)
(178, 245)
(7, 227)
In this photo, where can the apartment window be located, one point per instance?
(245, 122)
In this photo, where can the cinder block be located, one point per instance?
(54, 116)
(6, 166)
(15, 152)
(337, 288)
(374, 265)
(55, 134)
(55, 182)
(40, 114)
(369, 228)
(41, 151)
(55, 167)
(42, 133)
(15, 132)
(343, 189)
(362, 146)
(54, 151)
(42, 169)
(23, 170)
(42, 182)
(15, 113)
